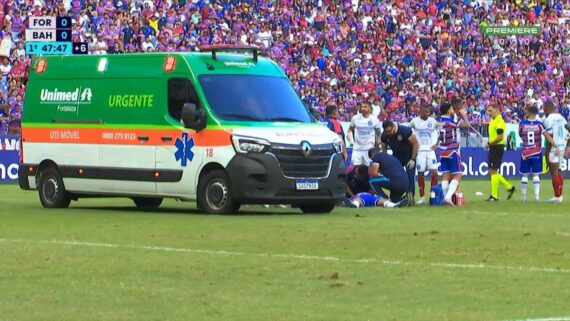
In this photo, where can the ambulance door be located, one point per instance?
(127, 152)
(177, 156)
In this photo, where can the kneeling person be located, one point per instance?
(386, 172)
(371, 200)
(356, 180)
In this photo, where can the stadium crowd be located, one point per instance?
(397, 54)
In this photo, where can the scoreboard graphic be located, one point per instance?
(52, 36)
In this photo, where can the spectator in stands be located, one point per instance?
(5, 69)
(397, 54)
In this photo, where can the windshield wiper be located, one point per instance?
(284, 119)
(240, 116)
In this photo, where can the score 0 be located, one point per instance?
(63, 25)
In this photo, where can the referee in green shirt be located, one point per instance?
(496, 146)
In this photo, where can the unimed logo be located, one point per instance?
(59, 96)
(511, 30)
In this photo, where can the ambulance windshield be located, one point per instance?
(253, 98)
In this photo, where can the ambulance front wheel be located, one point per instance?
(215, 194)
(318, 208)
(51, 189)
(147, 202)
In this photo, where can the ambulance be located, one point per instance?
(222, 126)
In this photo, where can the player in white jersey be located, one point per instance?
(557, 126)
(426, 129)
(366, 130)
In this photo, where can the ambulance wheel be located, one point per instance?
(51, 189)
(215, 194)
(318, 208)
(147, 202)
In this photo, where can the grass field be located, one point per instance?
(103, 260)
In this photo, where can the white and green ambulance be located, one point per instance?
(221, 128)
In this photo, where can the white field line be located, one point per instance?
(545, 319)
(563, 234)
(480, 266)
(541, 214)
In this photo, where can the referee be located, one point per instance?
(496, 146)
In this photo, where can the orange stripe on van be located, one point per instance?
(114, 136)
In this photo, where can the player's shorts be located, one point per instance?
(552, 157)
(426, 161)
(531, 165)
(360, 157)
(451, 164)
(369, 200)
(496, 156)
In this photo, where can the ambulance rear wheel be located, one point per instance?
(51, 189)
(215, 194)
(147, 202)
(318, 208)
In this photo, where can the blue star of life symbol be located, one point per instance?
(184, 149)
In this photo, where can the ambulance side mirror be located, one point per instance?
(193, 117)
(315, 112)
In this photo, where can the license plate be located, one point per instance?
(307, 185)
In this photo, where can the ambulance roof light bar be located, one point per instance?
(231, 48)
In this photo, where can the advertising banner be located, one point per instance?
(9, 157)
(474, 161)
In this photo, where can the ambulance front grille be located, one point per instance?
(295, 164)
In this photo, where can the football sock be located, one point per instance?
(452, 188)
(561, 181)
(434, 180)
(422, 185)
(536, 182)
(524, 184)
(504, 182)
(444, 186)
(556, 185)
(495, 185)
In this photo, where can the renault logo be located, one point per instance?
(306, 148)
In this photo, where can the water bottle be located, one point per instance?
(460, 200)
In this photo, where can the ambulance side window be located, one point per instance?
(180, 91)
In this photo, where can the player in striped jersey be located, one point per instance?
(557, 126)
(449, 152)
(530, 131)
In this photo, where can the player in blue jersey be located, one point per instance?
(449, 152)
(371, 200)
(531, 131)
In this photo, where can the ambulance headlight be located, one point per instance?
(243, 144)
(337, 145)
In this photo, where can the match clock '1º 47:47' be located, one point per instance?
(56, 48)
